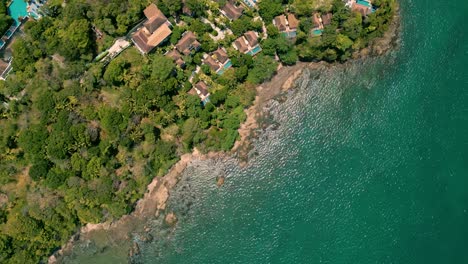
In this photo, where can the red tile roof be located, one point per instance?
(241, 45)
(364, 10)
(280, 23)
(293, 22)
(154, 31)
(221, 55)
(212, 63)
(202, 88)
(251, 37)
(187, 43)
(326, 19)
(232, 12)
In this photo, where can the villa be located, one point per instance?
(201, 89)
(231, 11)
(176, 57)
(362, 6)
(317, 23)
(287, 26)
(188, 43)
(248, 43)
(327, 19)
(154, 31)
(218, 61)
(185, 9)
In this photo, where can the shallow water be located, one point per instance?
(362, 164)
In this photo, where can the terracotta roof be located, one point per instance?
(159, 35)
(176, 57)
(212, 63)
(185, 9)
(326, 19)
(187, 43)
(293, 22)
(364, 10)
(201, 88)
(280, 23)
(251, 37)
(221, 55)
(192, 91)
(241, 45)
(154, 31)
(140, 39)
(152, 11)
(154, 23)
(232, 12)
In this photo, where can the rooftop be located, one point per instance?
(154, 31)
(231, 11)
(187, 43)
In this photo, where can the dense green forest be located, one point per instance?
(81, 140)
(5, 20)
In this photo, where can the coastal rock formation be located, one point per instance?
(220, 181)
(134, 250)
(171, 219)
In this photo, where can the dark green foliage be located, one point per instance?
(5, 20)
(39, 170)
(115, 71)
(263, 69)
(269, 9)
(244, 24)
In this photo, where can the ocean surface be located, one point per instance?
(363, 163)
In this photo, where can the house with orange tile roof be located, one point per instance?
(248, 43)
(188, 43)
(155, 30)
(364, 7)
(201, 89)
(218, 61)
(176, 57)
(231, 11)
(287, 26)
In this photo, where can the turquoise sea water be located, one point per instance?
(366, 163)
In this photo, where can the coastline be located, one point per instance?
(154, 200)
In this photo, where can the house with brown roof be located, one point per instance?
(188, 43)
(317, 23)
(248, 43)
(156, 29)
(231, 11)
(364, 7)
(176, 57)
(185, 9)
(218, 61)
(281, 23)
(327, 19)
(287, 26)
(201, 89)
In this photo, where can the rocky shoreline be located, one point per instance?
(154, 201)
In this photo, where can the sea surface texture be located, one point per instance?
(362, 163)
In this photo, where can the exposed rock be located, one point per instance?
(146, 238)
(220, 181)
(171, 219)
(134, 250)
